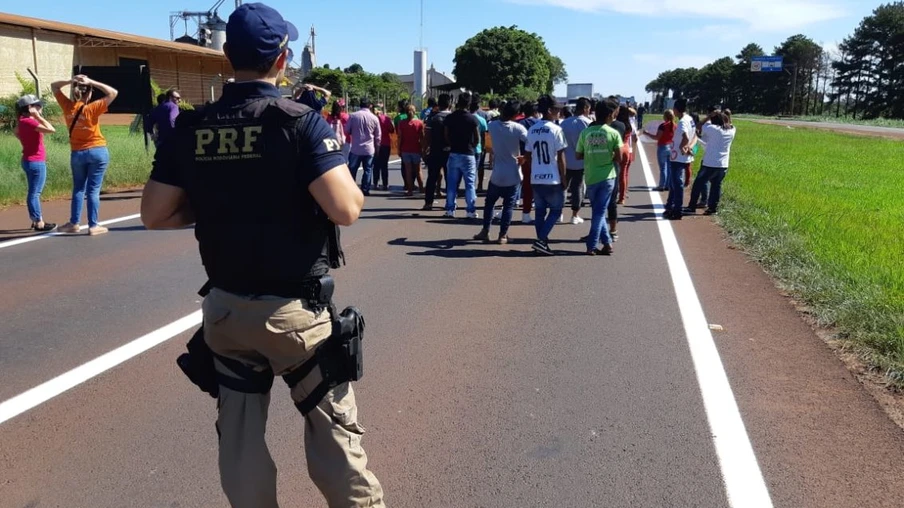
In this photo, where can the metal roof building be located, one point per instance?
(51, 49)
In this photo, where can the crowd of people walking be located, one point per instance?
(544, 156)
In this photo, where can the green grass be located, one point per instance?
(876, 122)
(823, 212)
(130, 164)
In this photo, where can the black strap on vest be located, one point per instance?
(75, 118)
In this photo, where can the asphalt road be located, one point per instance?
(867, 130)
(494, 378)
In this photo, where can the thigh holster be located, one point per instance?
(340, 358)
(200, 368)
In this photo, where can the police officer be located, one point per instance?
(264, 182)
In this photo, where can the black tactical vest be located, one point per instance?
(259, 230)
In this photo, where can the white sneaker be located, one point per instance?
(526, 218)
(449, 214)
(473, 215)
(577, 220)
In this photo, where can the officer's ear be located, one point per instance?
(282, 61)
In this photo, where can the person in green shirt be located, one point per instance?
(599, 146)
(399, 118)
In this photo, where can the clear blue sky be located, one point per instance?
(619, 45)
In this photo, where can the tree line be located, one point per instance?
(864, 79)
(355, 83)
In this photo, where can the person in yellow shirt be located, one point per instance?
(89, 157)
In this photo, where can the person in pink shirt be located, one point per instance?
(30, 131)
(381, 162)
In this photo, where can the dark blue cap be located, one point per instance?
(257, 34)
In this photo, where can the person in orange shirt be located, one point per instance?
(89, 157)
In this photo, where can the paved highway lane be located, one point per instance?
(866, 130)
(493, 377)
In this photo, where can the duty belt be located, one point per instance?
(339, 358)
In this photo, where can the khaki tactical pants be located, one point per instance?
(282, 333)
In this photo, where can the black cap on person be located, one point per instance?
(257, 34)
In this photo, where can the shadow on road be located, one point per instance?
(462, 249)
(638, 217)
(393, 216)
(15, 234)
(118, 198)
(129, 228)
(381, 210)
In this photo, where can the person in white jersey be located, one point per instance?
(545, 151)
(682, 156)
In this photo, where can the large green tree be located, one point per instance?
(801, 56)
(870, 73)
(502, 59)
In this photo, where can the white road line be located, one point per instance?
(46, 391)
(744, 483)
(35, 238)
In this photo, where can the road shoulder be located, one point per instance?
(820, 437)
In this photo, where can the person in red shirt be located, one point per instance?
(381, 162)
(411, 138)
(30, 131)
(664, 134)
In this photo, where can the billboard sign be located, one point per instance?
(577, 90)
(766, 64)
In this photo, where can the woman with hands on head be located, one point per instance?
(89, 157)
(30, 131)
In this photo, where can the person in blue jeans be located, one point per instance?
(364, 128)
(463, 134)
(717, 135)
(461, 167)
(600, 147)
(88, 170)
(681, 158)
(30, 130)
(357, 161)
(505, 180)
(545, 149)
(89, 158)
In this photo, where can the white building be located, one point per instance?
(437, 83)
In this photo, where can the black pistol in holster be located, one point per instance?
(340, 357)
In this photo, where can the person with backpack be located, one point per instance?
(89, 158)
